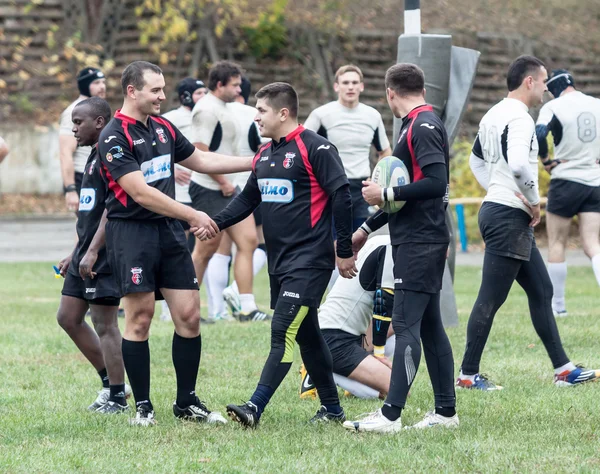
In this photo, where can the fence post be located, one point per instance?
(462, 228)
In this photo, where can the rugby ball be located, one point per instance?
(391, 172)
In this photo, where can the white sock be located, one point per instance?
(216, 279)
(357, 389)
(334, 276)
(248, 303)
(568, 366)
(467, 377)
(390, 346)
(558, 276)
(596, 267)
(259, 258)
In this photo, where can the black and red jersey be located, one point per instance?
(92, 199)
(126, 145)
(293, 180)
(422, 141)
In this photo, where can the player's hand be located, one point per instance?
(371, 192)
(203, 227)
(359, 239)
(72, 201)
(64, 264)
(227, 188)
(535, 210)
(346, 267)
(549, 165)
(87, 264)
(182, 177)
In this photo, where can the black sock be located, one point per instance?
(448, 412)
(136, 358)
(186, 360)
(104, 377)
(391, 412)
(117, 394)
(261, 397)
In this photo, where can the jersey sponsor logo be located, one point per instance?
(430, 127)
(264, 158)
(136, 275)
(157, 168)
(398, 280)
(291, 294)
(162, 136)
(138, 142)
(87, 199)
(276, 190)
(115, 152)
(324, 147)
(402, 135)
(110, 138)
(288, 161)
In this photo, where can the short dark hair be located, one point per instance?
(520, 68)
(133, 74)
(280, 95)
(405, 79)
(96, 107)
(222, 72)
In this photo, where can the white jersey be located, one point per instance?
(349, 307)
(574, 120)
(507, 125)
(181, 117)
(249, 138)
(353, 132)
(81, 153)
(214, 124)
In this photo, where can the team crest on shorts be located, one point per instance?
(136, 275)
(162, 136)
(288, 162)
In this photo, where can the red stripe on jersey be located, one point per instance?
(124, 118)
(124, 125)
(163, 122)
(417, 172)
(318, 196)
(293, 134)
(117, 190)
(258, 153)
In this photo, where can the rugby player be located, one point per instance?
(573, 118)
(146, 244)
(299, 181)
(91, 83)
(420, 239)
(215, 128)
(504, 161)
(89, 282)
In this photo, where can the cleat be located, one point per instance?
(101, 399)
(580, 375)
(112, 408)
(433, 419)
(208, 320)
(223, 316)
(323, 416)
(198, 412)
(144, 416)
(560, 314)
(255, 315)
(374, 422)
(307, 387)
(232, 300)
(480, 382)
(246, 414)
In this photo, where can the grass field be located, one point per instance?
(531, 426)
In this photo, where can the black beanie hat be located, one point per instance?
(85, 77)
(186, 89)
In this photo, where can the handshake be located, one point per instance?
(202, 226)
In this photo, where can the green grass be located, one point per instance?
(531, 426)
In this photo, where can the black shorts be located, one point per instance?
(146, 255)
(208, 200)
(346, 350)
(506, 231)
(78, 181)
(419, 267)
(102, 290)
(305, 286)
(568, 198)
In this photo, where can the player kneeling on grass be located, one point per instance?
(88, 279)
(345, 317)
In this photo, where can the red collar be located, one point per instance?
(293, 134)
(420, 108)
(125, 118)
